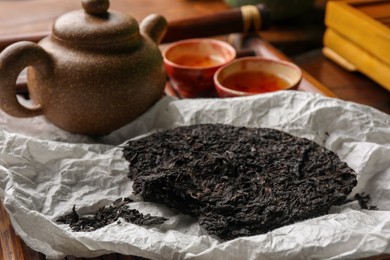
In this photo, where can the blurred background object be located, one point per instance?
(279, 9)
(366, 47)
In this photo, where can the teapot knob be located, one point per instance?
(96, 7)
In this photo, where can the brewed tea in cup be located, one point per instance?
(191, 65)
(255, 75)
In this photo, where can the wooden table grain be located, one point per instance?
(27, 17)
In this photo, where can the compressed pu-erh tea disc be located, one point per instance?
(238, 181)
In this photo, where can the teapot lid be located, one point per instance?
(95, 25)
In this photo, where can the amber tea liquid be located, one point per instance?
(198, 61)
(254, 82)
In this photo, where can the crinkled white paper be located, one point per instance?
(44, 171)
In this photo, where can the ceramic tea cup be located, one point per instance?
(254, 75)
(191, 64)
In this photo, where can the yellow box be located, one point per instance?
(358, 37)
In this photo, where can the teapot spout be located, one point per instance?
(154, 26)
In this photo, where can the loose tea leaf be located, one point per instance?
(108, 215)
(364, 201)
(238, 181)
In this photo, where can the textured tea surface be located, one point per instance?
(238, 181)
(107, 215)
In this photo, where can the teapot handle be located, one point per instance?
(154, 26)
(13, 60)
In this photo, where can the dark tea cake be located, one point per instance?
(238, 181)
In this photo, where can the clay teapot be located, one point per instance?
(97, 70)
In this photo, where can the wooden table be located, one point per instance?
(34, 17)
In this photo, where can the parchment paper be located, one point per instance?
(44, 171)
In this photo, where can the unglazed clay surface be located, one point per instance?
(90, 80)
